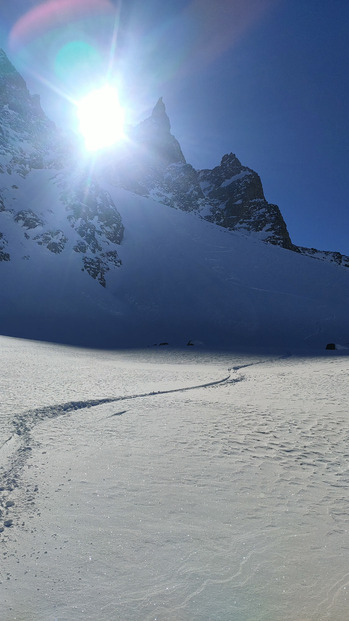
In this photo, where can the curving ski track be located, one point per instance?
(19, 445)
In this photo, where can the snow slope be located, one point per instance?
(181, 279)
(162, 486)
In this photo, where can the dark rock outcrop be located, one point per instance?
(4, 256)
(237, 201)
(92, 213)
(325, 255)
(54, 241)
(28, 219)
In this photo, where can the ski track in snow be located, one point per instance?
(20, 443)
(267, 538)
(16, 448)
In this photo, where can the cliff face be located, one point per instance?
(238, 203)
(28, 139)
(230, 195)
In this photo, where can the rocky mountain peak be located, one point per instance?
(230, 169)
(159, 145)
(230, 163)
(22, 118)
(12, 85)
(237, 200)
(6, 67)
(159, 116)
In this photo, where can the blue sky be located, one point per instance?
(265, 79)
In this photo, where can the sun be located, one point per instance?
(101, 118)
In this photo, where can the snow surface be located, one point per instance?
(173, 485)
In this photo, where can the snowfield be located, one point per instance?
(173, 485)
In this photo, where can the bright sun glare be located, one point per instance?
(101, 118)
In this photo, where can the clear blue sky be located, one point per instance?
(265, 79)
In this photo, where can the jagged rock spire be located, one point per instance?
(11, 82)
(5, 65)
(154, 134)
(15, 95)
(159, 116)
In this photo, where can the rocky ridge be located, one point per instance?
(230, 195)
(152, 164)
(238, 203)
(70, 211)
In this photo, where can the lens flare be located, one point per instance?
(77, 62)
(52, 15)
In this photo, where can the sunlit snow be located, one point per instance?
(173, 485)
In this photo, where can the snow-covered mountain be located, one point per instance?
(230, 195)
(143, 249)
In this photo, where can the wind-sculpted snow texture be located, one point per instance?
(173, 485)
